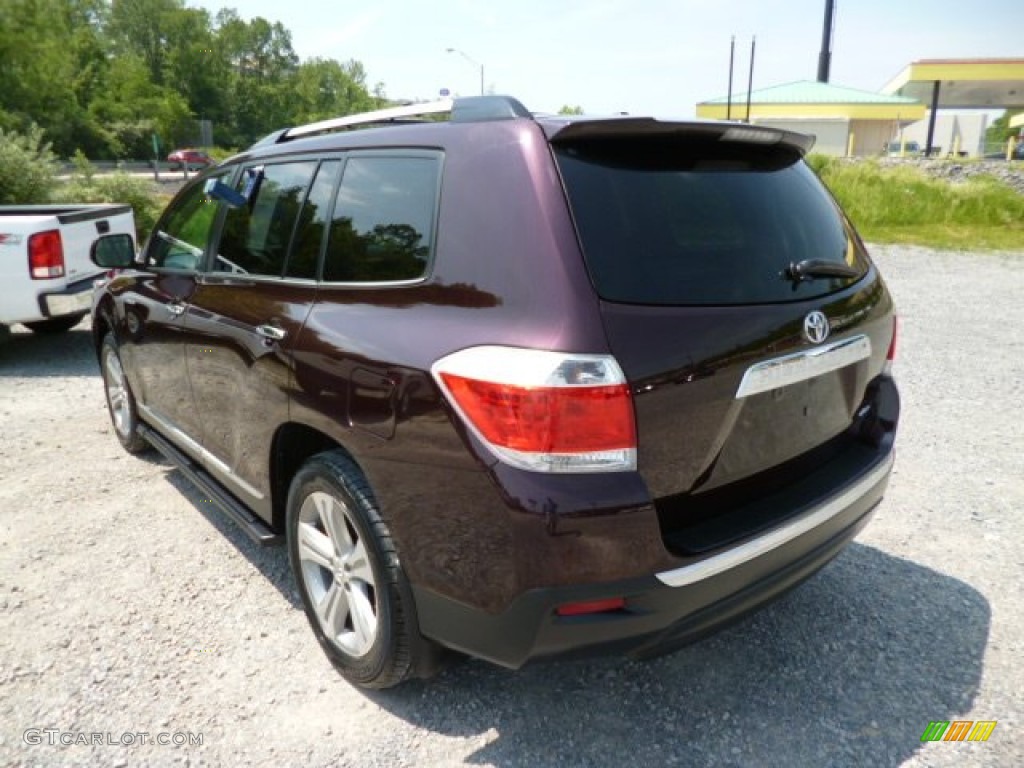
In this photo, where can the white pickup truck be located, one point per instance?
(46, 277)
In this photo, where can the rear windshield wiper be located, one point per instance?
(808, 269)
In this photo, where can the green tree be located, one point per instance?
(101, 76)
(568, 110)
(1000, 131)
(142, 27)
(261, 66)
(27, 167)
(133, 107)
(38, 70)
(326, 88)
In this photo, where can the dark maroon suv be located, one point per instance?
(512, 385)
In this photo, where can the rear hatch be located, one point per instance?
(712, 248)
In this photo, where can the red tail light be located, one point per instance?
(890, 356)
(46, 255)
(544, 411)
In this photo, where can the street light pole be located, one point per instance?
(472, 61)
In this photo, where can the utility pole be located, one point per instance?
(750, 78)
(732, 57)
(825, 57)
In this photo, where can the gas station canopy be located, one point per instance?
(962, 83)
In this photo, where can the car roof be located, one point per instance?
(417, 125)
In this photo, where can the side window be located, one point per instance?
(179, 241)
(383, 224)
(256, 236)
(313, 221)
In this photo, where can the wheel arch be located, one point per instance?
(293, 444)
(102, 323)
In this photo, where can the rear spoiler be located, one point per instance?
(561, 131)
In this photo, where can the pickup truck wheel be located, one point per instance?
(55, 324)
(120, 400)
(353, 589)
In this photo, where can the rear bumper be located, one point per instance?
(670, 608)
(75, 299)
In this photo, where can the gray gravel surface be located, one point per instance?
(1011, 174)
(128, 607)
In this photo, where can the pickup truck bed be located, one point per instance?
(45, 273)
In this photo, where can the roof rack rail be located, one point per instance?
(471, 109)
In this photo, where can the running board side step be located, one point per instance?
(254, 527)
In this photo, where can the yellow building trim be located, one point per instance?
(1017, 121)
(927, 72)
(902, 112)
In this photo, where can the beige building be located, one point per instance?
(844, 121)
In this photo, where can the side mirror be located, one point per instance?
(113, 251)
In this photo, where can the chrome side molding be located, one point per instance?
(185, 440)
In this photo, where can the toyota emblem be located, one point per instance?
(816, 327)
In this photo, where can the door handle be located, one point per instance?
(176, 308)
(271, 332)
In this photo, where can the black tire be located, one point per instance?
(330, 486)
(124, 415)
(56, 324)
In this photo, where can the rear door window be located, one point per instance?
(702, 223)
(383, 224)
(312, 226)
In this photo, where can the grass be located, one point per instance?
(903, 205)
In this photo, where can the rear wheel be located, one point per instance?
(55, 324)
(353, 589)
(120, 400)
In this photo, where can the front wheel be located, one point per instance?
(353, 589)
(120, 400)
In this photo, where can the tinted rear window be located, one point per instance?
(701, 223)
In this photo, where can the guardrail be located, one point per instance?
(128, 166)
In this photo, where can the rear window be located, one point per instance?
(702, 223)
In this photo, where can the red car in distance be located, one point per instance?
(195, 159)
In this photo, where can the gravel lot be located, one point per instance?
(128, 607)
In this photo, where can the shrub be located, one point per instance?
(116, 188)
(28, 168)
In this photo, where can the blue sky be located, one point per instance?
(639, 56)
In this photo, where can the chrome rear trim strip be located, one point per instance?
(803, 365)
